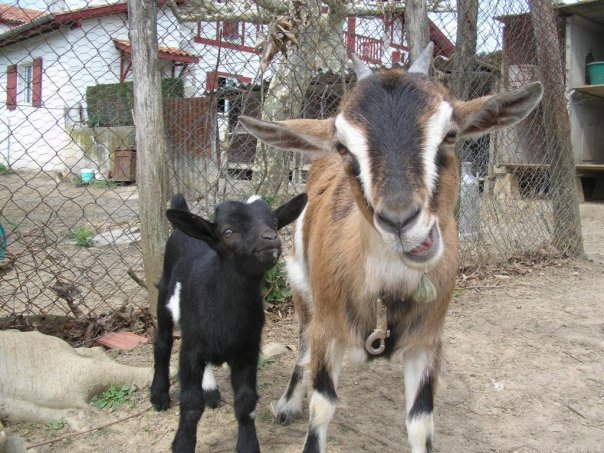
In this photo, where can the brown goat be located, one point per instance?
(379, 226)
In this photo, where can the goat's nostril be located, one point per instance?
(398, 221)
(269, 236)
(411, 218)
(387, 221)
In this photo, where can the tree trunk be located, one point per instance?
(416, 27)
(321, 45)
(150, 141)
(567, 221)
(465, 48)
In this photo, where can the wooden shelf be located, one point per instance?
(593, 90)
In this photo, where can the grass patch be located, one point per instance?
(55, 426)
(82, 237)
(103, 184)
(266, 363)
(115, 397)
(4, 170)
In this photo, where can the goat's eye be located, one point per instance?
(227, 233)
(341, 149)
(451, 137)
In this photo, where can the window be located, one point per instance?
(24, 84)
(230, 31)
(225, 82)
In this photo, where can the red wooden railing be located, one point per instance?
(367, 49)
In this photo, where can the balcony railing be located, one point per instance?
(367, 49)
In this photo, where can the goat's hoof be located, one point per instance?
(211, 398)
(161, 402)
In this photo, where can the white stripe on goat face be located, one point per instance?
(436, 129)
(356, 142)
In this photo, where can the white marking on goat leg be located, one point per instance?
(420, 430)
(292, 406)
(355, 141)
(253, 198)
(335, 354)
(208, 382)
(174, 303)
(290, 403)
(435, 131)
(323, 403)
(253, 413)
(415, 363)
(420, 425)
(322, 410)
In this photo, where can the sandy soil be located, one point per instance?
(523, 372)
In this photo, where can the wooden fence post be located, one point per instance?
(150, 141)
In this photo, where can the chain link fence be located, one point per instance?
(71, 260)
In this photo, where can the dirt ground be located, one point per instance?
(523, 372)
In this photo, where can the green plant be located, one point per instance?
(276, 290)
(111, 104)
(4, 170)
(115, 396)
(55, 426)
(82, 237)
(265, 363)
(103, 184)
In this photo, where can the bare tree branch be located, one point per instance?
(362, 9)
(274, 6)
(263, 11)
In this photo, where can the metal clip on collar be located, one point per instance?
(381, 332)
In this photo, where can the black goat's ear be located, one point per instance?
(290, 210)
(192, 225)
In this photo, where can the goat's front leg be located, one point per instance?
(325, 366)
(191, 400)
(421, 367)
(243, 380)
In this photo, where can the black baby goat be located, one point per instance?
(211, 287)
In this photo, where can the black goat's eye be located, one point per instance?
(227, 233)
(451, 137)
(341, 149)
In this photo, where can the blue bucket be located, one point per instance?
(3, 242)
(87, 175)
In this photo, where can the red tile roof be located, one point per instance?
(165, 53)
(15, 15)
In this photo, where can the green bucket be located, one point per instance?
(596, 72)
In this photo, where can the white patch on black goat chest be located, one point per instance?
(174, 303)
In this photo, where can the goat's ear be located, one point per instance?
(290, 210)
(314, 137)
(489, 113)
(192, 225)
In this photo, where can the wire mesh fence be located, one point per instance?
(69, 200)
